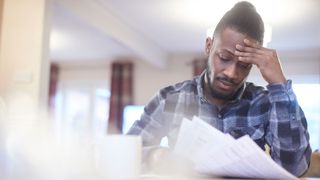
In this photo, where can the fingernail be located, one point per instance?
(246, 40)
(238, 46)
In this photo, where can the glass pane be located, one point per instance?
(77, 109)
(101, 112)
(130, 115)
(309, 99)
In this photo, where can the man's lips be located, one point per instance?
(225, 85)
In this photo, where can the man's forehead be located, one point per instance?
(230, 36)
(227, 40)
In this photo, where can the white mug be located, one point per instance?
(118, 156)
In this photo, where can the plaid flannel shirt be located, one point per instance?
(270, 116)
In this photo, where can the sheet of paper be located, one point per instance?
(195, 135)
(241, 159)
(183, 146)
(218, 154)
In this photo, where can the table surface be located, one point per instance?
(163, 177)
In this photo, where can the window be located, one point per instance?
(132, 113)
(309, 99)
(82, 109)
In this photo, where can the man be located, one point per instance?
(222, 97)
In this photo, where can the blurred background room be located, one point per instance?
(88, 67)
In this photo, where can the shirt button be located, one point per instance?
(219, 116)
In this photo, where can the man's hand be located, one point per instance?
(265, 59)
(163, 161)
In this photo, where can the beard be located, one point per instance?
(218, 94)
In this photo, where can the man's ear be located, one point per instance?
(209, 44)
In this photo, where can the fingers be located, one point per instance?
(264, 58)
(250, 47)
(247, 54)
(254, 59)
(245, 51)
(254, 44)
(251, 52)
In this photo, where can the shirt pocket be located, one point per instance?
(253, 126)
(255, 133)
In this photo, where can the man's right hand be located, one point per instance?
(162, 161)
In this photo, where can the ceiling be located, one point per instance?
(102, 30)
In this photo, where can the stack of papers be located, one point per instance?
(220, 155)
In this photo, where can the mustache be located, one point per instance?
(220, 78)
(226, 79)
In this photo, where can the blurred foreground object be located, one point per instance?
(161, 160)
(2, 109)
(118, 156)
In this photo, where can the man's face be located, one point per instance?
(227, 73)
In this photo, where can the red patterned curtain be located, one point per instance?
(199, 65)
(53, 83)
(121, 94)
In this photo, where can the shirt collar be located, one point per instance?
(200, 81)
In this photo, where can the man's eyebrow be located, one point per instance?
(229, 52)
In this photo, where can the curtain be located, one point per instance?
(198, 66)
(121, 94)
(53, 83)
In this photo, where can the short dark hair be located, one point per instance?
(244, 18)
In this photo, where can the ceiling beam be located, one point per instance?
(97, 16)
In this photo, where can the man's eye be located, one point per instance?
(224, 59)
(244, 66)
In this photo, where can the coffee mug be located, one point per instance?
(118, 156)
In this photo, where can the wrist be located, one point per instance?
(280, 91)
(280, 80)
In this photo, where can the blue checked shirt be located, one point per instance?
(270, 116)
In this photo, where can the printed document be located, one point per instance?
(220, 155)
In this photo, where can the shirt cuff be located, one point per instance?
(281, 92)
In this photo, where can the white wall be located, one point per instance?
(148, 80)
(1, 12)
(24, 61)
(86, 73)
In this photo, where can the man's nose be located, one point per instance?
(231, 71)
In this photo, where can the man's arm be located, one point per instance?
(151, 126)
(287, 133)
